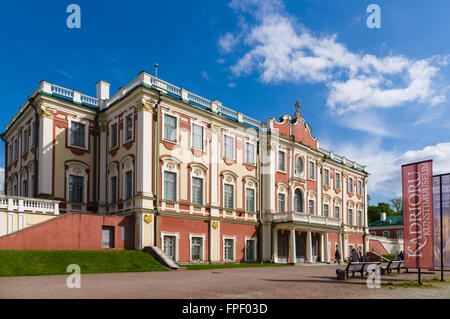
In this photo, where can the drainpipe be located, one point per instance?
(94, 165)
(156, 167)
(6, 163)
(260, 230)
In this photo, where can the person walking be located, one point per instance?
(354, 257)
(337, 257)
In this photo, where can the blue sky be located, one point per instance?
(378, 96)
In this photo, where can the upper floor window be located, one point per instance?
(250, 153)
(299, 165)
(197, 190)
(113, 189)
(228, 147)
(76, 189)
(359, 218)
(400, 234)
(197, 137)
(113, 136)
(128, 185)
(326, 177)
(325, 210)
(386, 234)
(298, 201)
(311, 207)
(359, 187)
(170, 128)
(128, 127)
(337, 212)
(16, 149)
(250, 199)
(350, 184)
(337, 180)
(312, 170)
(24, 189)
(33, 134)
(228, 196)
(10, 152)
(25, 141)
(77, 134)
(281, 203)
(281, 161)
(350, 216)
(170, 186)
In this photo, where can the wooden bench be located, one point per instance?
(394, 264)
(354, 267)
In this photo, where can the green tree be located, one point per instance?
(374, 212)
(397, 204)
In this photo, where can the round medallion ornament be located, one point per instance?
(148, 219)
(215, 225)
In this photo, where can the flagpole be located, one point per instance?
(442, 231)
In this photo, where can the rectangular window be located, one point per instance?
(33, 134)
(250, 250)
(125, 233)
(373, 233)
(281, 203)
(197, 137)
(228, 147)
(350, 216)
(228, 196)
(76, 189)
(128, 185)
(386, 234)
(359, 187)
(16, 149)
(228, 249)
(24, 188)
(249, 200)
(15, 189)
(359, 218)
(170, 186)
(325, 210)
(196, 249)
(250, 153)
(128, 127)
(400, 234)
(326, 177)
(337, 212)
(77, 134)
(25, 141)
(31, 190)
(337, 180)
(311, 207)
(197, 190)
(312, 171)
(113, 136)
(281, 161)
(170, 128)
(10, 153)
(113, 189)
(350, 185)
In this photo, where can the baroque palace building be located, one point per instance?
(203, 182)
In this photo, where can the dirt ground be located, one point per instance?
(313, 281)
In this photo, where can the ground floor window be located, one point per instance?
(108, 237)
(170, 246)
(197, 248)
(250, 250)
(76, 189)
(228, 249)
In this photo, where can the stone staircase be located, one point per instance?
(162, 257)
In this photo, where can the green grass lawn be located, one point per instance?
(218, 266)
(55, 262)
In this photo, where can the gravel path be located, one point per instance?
(316, 281)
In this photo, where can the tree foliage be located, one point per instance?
(397, 204)
(374, 212)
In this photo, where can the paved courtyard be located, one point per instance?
(317, 281)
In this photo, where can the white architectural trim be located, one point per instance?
(177, 242)
(203, 237)
(233, 237)
(255, 248)
(70, 120)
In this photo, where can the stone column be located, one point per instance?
(326, 250)
(322, 247)
(341, 251)
(293, 249)
(309, 247)
(275, 245)
(319, 188)
(144, 143)
(45, 152)
(102, 169)
(214, 238)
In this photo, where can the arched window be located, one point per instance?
(299, 165)
(298, 201)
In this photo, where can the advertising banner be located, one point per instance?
(441, 183)
(417, 185)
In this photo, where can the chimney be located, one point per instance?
(102, 90)
(383, 217)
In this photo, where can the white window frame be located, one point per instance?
(25, 137)
(234, 248)
(373, 233)
(234, 146)
(324, 180)
(124, 139)
(124, 183)
(314, 170)
(177, 243)
(254, 239)
(203, 136)
(350, 222)
(299, 157)
(177, 128)
(202, 257)
(303, 199)
(314, 206)
(254, 198)
(110, 199)
(170, 164)
(278, 202)
(284, 161)
(328, 214)
(350, 185)
(340, 211)
(358, 187)
(86, 132)
(115, 122)
(400, 232)
(359, 213)
(234, 195)
(254, 153)
(77, 169)
(15, 149)
(384, 233)
(337, 179)
(203, 189)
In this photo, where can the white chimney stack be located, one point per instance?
(383, 217)
(102, 90)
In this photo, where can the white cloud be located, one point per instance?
(282, 50)
(368, 122)
(205, 75)
(385, 166)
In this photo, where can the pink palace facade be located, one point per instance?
(203, 182)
